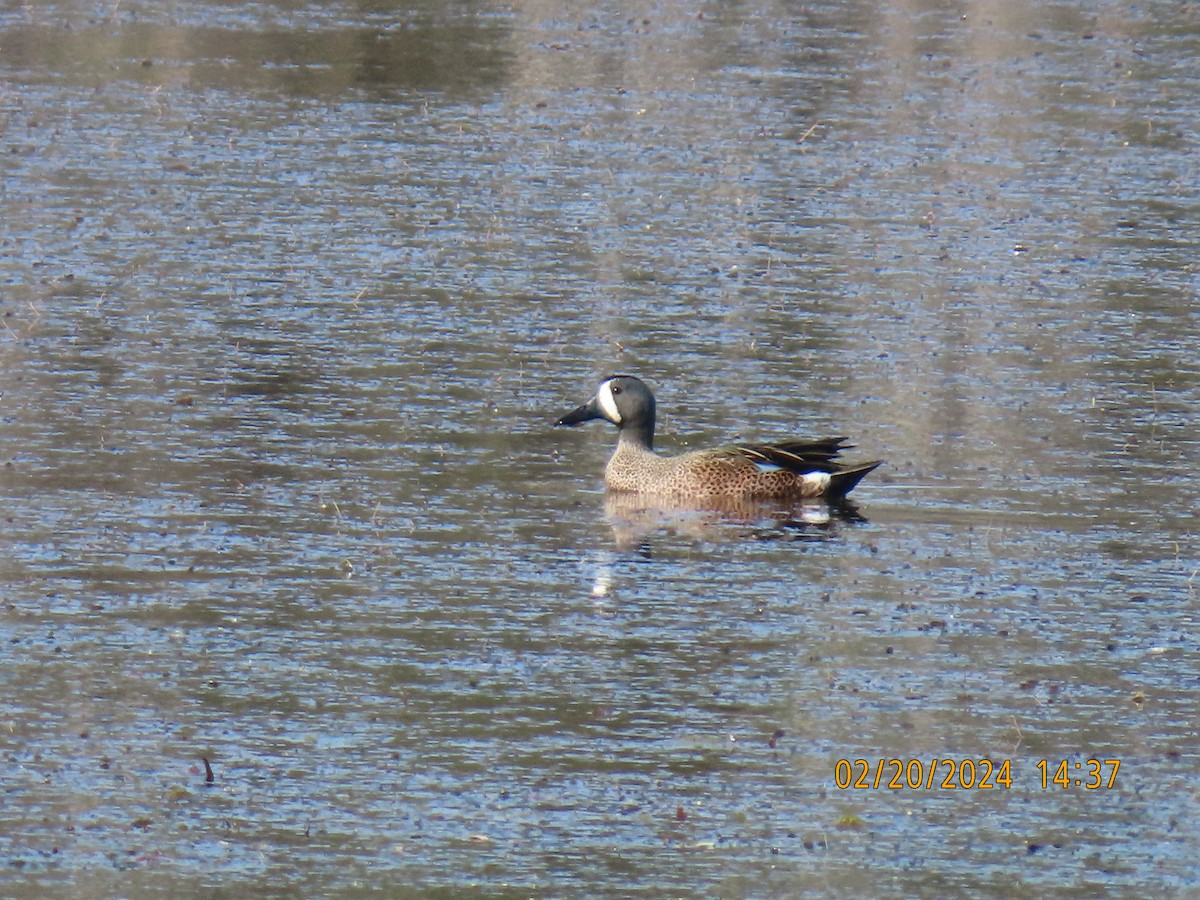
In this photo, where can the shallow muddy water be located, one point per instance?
(291, 296)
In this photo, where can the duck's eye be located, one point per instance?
(616, 389)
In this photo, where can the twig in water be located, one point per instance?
(811, 128)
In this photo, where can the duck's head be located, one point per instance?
(623, 400)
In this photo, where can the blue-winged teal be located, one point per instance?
(794, 470)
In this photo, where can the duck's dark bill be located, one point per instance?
(585, 413)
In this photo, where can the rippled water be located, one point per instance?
(292, 294)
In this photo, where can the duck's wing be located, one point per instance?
(800, 457)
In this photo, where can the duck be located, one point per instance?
(788, 470)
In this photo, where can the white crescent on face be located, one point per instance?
(608, 403)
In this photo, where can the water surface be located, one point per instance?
(291, 295)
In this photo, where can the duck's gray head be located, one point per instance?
(626, 402)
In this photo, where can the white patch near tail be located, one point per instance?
(818, 480)
(608, 403)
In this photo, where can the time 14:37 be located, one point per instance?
(1084, 773)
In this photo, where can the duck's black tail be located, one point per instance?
(843, 481)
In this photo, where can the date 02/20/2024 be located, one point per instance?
(970, 774)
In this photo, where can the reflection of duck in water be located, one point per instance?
(791, 470)
(635, 517)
